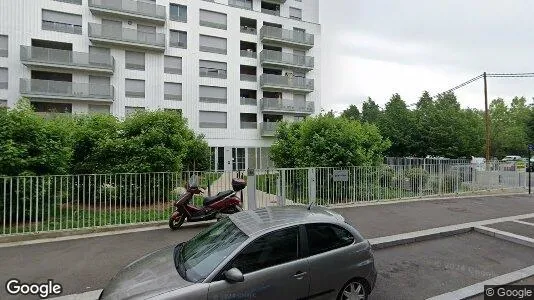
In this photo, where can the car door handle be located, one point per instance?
(299, 275)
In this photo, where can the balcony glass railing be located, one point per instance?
(62, 27)
(249, 125)
(270, 11)
(249, 30)
(290, 36)
(244, 4)
(126, 35)
(141, 8)
(268, 128)
(248, 101)
(66, 58)
(296, 60)
(287, 82)
(212, 24)
(66, 89)
(249, 77)
(285, 105)
(249, 53)
(213, 73)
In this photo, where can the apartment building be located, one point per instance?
(233, 68)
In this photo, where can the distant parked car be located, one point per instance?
(288, 252)
(511, 158)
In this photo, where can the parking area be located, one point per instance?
(413, 271)
(426, 269)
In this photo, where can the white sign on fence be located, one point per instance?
(340, 175)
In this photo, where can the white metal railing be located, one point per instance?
(287, 59)
(67, 58)
(67, 89)
(142, 8)
(292, 36)
(268, 128)
(286, 105)
(126, 35)
(32, 204)
(286, 82)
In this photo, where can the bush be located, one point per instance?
(417, 178)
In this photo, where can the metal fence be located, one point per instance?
(30, 204)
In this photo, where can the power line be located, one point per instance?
(461, 85)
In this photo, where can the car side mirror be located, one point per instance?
(234, 275)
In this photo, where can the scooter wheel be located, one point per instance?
(174, 224)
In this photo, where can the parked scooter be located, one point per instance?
(215, 207)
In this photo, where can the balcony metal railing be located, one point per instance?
(212, 24)
(285, 105)
(249, 77)
(286, 82)
(249, 125)
(62, 27)
(212, 49)
(172, 97)
(180, 18)
(126, 35)
(286, 35)
(66, 58)
(213, 73)
(249, 30)
(140, 8)
(178, 44)
(276, 57)
(270, 12)
(268, 128)
(241, 4)
(248, 101)
(249, 53)
(213, 100)
(171, 70)
(212, 125)
(39, 87)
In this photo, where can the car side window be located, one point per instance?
(272, 249)
(326, 237)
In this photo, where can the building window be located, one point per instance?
(99, 109)
(3, 78)
(245, 4)
(49, 107)
(135, 88)
(4, 46)
(212, 94)
(62, 22)
(248, 25)
(130, 110)
(135, 60)
(249, 121)
(172, 91)
(178, 39)
(212, 119)
(212, 44)
(100, 86)
(213, 19)
(178, 12)
(173, 65)
(212, 69)
(295, 13)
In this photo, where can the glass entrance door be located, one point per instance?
(238, 158)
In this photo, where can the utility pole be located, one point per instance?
(487, 119)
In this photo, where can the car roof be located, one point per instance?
(258, 221)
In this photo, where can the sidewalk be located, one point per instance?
(87, 264)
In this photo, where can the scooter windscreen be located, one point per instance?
(193, 182)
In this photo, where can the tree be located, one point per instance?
(397, 124)
(327, 141)
(422, 135)
(370, 111)
(352, 113)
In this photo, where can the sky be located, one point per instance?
(375, 48)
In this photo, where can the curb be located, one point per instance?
(507, 236)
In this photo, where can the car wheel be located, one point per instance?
(354, 289)
(175, 223)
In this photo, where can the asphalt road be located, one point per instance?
(87, 264)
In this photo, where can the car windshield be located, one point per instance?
(197, 258)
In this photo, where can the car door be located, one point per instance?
(272, 267)
(334, 259)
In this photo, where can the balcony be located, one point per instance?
(286, 83)
(286, 37)
(268, 128)
(49, 89)
(129, 9)
(271, 58)
(126, 37)
(248, 101)
(248, 53)
(248, 77)
(46, 58)
(287, 106)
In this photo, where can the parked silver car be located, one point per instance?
(276, 253)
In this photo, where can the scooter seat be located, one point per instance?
(220, 195)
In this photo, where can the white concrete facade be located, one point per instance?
(21, 22)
